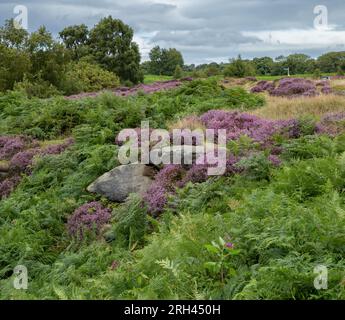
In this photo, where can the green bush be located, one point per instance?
(37, 88)
(87, 77)
(239, 98)
(310, 178)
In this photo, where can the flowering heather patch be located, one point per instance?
(136, 135)
(165, 183)
(332, 124)
(337, 77)
(196, 174)
(22, 161)
(90, 217)
(9, 146)
(57, 148)
(176, 176)
(275, 160)
(325, 87)
(262, 86)
(125, 91)
(292, 87)
(238, 124)
(253, 79)
(8, 185)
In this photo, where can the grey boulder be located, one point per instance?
(117, 184)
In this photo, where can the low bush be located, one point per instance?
(87, 77)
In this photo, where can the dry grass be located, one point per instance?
(237, 82)
(338, 85)
(283, 108)
(191, 122)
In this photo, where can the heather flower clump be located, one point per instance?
(9, 146)
(241, 124)
(262, 135)
(262, 86)
(145, 88)
(332, 124)
(8, 185)
(22, 161)
(164, 184)
(88, 219)
(19, 152)
(293, 87)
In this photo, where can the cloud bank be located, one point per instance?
(203, 30)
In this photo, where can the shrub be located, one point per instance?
(86, 77)
(239, 98)
(178, 73)
(257, 166)
(37, 88)
(131, 223)
(310, 178)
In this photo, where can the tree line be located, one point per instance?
(105, 56)
(298, 63)
(83, 59)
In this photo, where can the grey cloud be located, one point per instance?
(204, 30)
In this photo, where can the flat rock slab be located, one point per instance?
(185, 154)
(117, 184)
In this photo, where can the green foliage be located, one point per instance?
(12, 37)
(165, 61)
(112, 46)
(310, 178)
(86, 77)
(131, 223)
(37, 88)
(38, 60)
(75, 38)
(13, 66)
(239, 68)
(241, 99)
(309, 146)
(331, 61)
(263, 65)
(178, 73)
(255, 235)
(317, 74)
(256, 167)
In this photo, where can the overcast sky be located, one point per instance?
(204, 30)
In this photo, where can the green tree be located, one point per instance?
(14, 64)
(111, 42)
(331, 61)
(12, 37)
(48, 58)
(299, 63)
(178, 74)
(76, 39)
(317, 74)
(263, 65)
(212, 69)
(156, 61)
(239, 68)
(165, 61)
